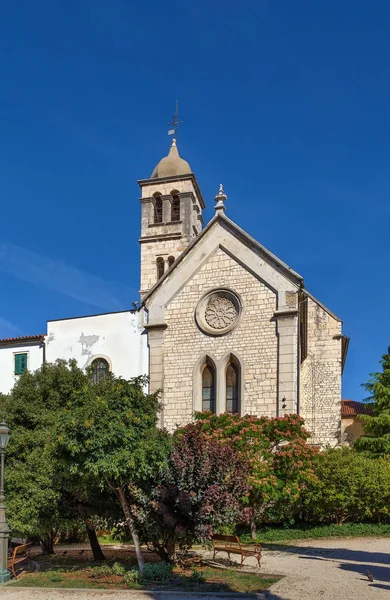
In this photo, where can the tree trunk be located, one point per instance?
(253, 529)
(94, 542)
(160, 550)
(47, 544)
(131, 526)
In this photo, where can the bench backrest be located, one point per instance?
(229, 539)
(21, 550)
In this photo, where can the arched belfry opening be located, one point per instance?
(158, 208)
(175, 206)
(160, 267)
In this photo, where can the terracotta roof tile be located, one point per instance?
(351, 408)
(27, 338)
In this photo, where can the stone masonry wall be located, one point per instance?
(149, 253)
(254, 340)
(167, 238)
(320, 382)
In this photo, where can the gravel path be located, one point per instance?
(312, 570)
(331, 570)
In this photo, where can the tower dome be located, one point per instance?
(171, 165)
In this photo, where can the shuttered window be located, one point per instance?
(20, 363)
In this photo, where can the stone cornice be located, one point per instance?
(183, 195)
(288, 312)
(159, 237)
(156, 326)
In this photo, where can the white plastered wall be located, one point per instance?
(8, 378)
(117, 337)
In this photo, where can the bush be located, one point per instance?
(279, 459)
(100, 571)
(307, 531)
(200, 491)
(197, 577)
(160, 572)
(132, 577)
(157, 572)
(350, 487)
(118, 569)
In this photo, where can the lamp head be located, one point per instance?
(4, 435)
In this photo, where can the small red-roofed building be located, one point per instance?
(351, 426)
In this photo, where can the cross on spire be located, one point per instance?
(175, 121)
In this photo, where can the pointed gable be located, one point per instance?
(223, 232)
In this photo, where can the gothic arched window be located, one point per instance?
(160, 267)
(100, 368)
(175, 208)
(157, 208)
(232, 388)
(171, 260)
(208, 388)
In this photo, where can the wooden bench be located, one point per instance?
(20, 554)
(232, 545)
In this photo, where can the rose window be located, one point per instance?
(220, 313)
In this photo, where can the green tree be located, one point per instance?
(350, 487)
(376, 441)
(281, 461)
(200, 490)
(108, 436)
(38, 501)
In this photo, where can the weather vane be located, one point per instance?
(175, 121)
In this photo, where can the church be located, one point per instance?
(223, 324)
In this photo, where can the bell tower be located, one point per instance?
(171, 216)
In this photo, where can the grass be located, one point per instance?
(237, 582)
(51, 580)
(284, 534)
(302, 532)
(211, 580)
(108, 539)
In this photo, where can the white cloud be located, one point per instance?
(65, 279)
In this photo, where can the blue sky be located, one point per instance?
(286, 103)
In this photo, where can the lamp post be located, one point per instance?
(4, 530)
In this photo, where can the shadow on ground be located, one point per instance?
(159, 596)
(335, 553)
(358, 561)
(379, 573)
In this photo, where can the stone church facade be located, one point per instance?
(230, 326)
(223, 324)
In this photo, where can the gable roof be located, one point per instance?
(245, 238)
(351, 408)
